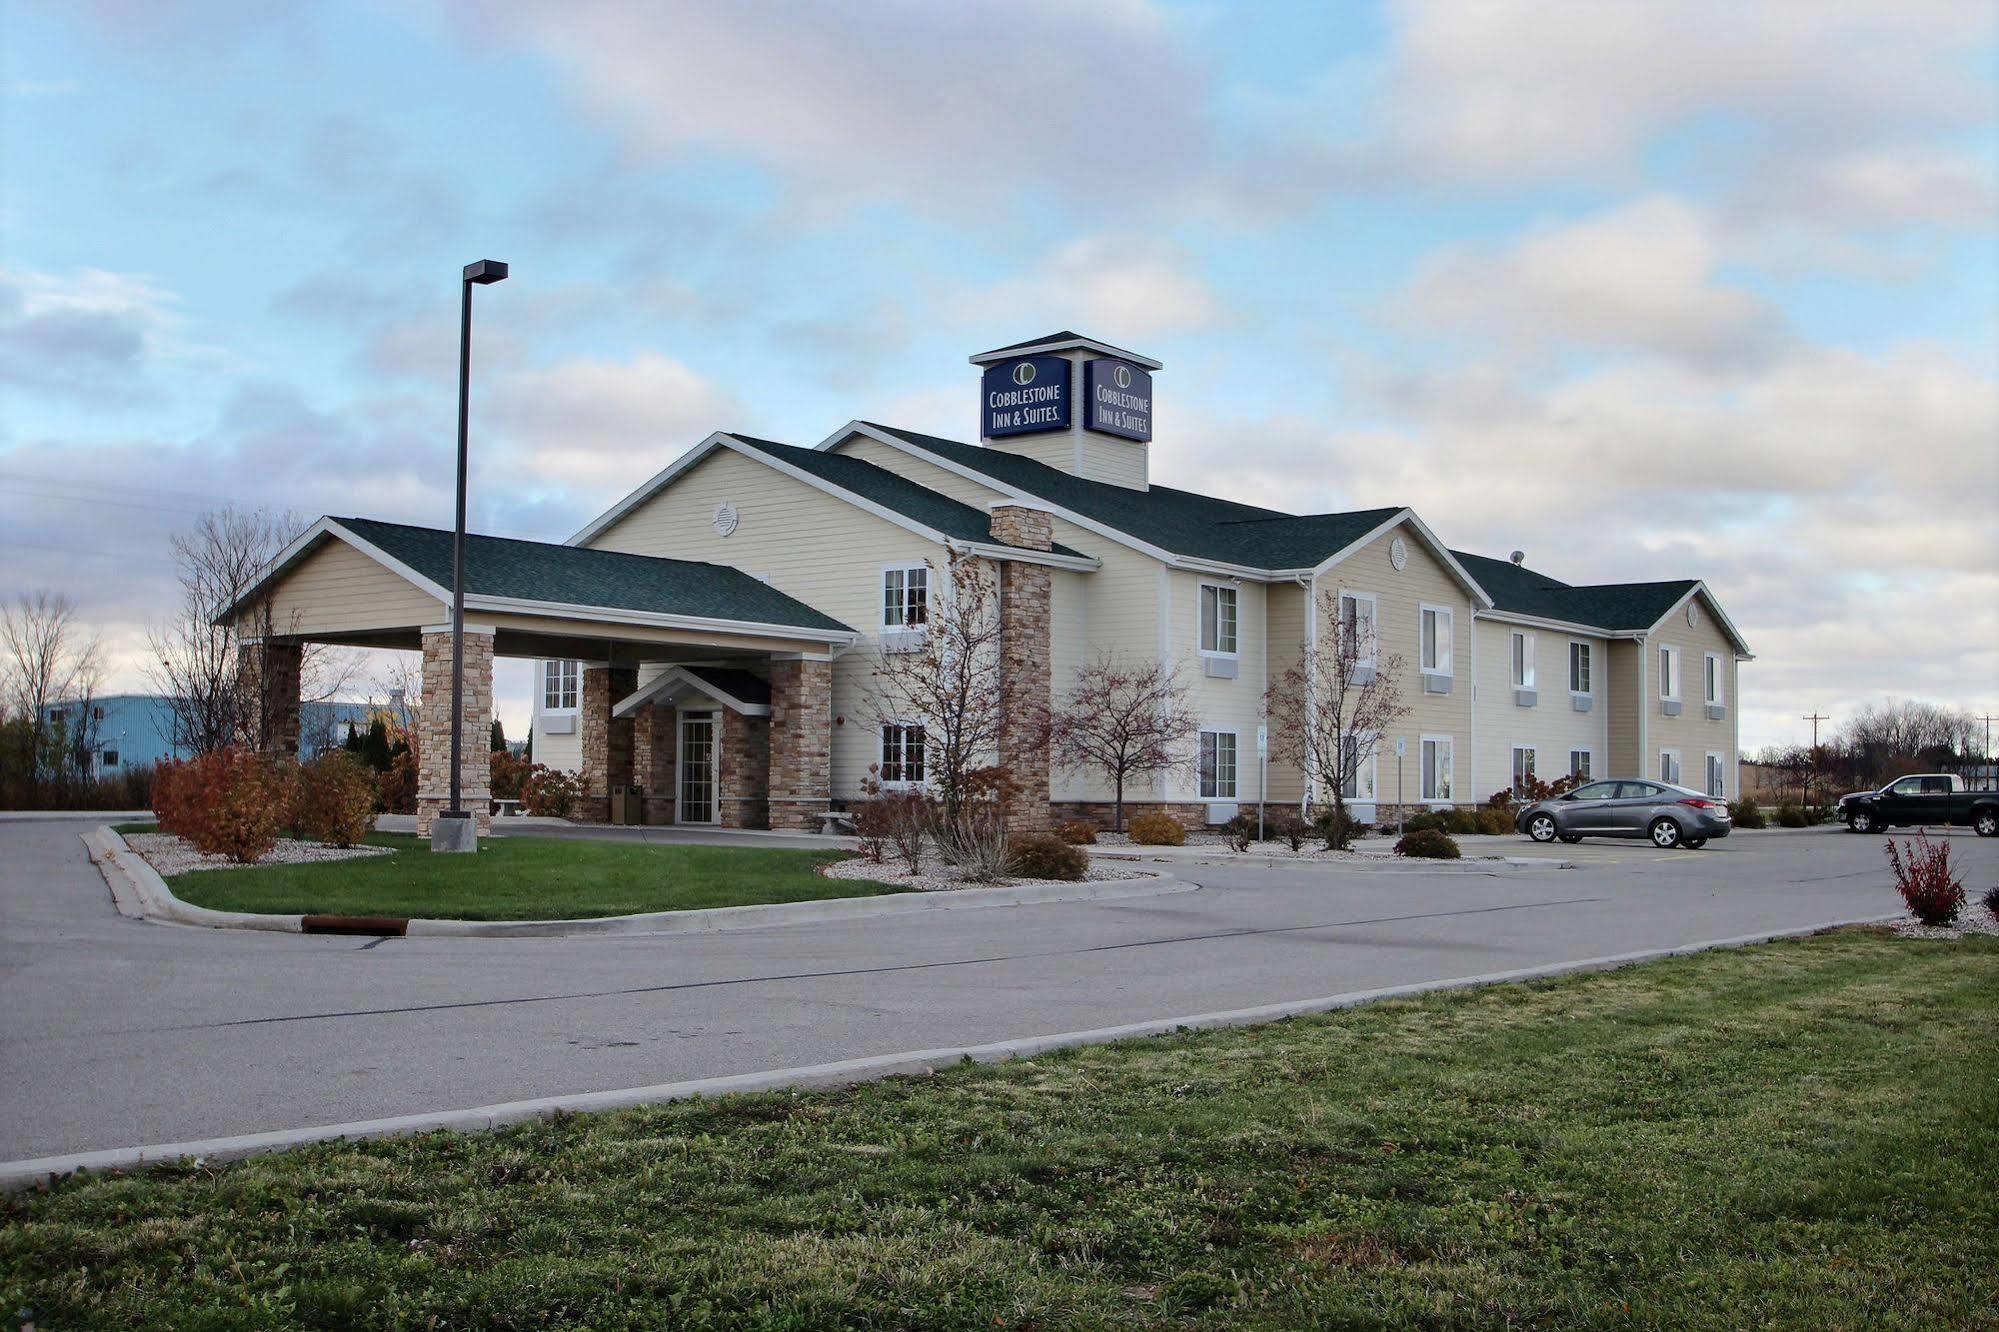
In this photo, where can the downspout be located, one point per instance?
(1310, 582)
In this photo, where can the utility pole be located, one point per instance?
(1812, 771)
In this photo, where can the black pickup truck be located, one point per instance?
(1937, 797)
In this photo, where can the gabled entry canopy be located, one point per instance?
(737, 690)
(370, 583)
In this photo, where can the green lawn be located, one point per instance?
(1801, 1135)
(526, 878)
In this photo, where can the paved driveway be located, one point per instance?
(117, 1033)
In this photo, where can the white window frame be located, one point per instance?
(904, 729)
(1447, 769)
(1711, 679)
(1669, 673)
(1715, 773)
(552, 679)
(1520, 659)
(904, 568)
(1366, 776)
(1201, 776)
(1533, 764)
(1589, 764)
(1677, 771)
(1589, 668)
(1372, 647)
(1446, 640)
(1235, 619)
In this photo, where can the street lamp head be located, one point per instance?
(486, 272)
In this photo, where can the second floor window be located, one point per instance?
(1523, 661)
(906, 597)
(1218, 605)
(1669, 673)
(1357, 616)
(1434, 643)
(1713, 678)
(1579, 664)
(559, 687)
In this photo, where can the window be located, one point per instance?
(1597, 791)
(558, 693)
(906, 596)
(1217, 765)
(1523, 768)
(1357, 625)
(1433, 654)
(1358, 782)
(110, 758)
(1436, 767)
(97, 714)
(1669, 766)
(1580, 763)
(1218, 619)
(1717, 784)
(1669, 673)
(1579, 664)
(1523, 660)
(1713, 666)
(902, 754)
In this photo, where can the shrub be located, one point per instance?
(336, 799)
(1746, 814)
(894, 820)
(397, 791)
(1240, 830)
(1335, 829)
(1290, 827)
(974, 838)
(1991, 900)
(549, 792)
(1932, 893)
(870, 822)
(1791, 816)
(1428, 844)
(1041, 856)
(229, 802)
(507, 774)
(1154, 828)
(1077, 832)
(1429, 821)
(1495, 821)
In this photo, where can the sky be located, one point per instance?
(1647, 290)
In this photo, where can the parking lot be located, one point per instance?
(121, 1032)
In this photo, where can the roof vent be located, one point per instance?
(1518, 556)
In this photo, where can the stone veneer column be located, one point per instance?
(267, 675)
(655, 751)
(607, 740)
(743, 792)
(433, 730)
(1025, 685)
(801, 742)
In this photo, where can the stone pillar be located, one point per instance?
(607, 741)
(801, 742)
(1025, 685)
(744, 789)
(655, 754)
(267, 675)
(433, 730)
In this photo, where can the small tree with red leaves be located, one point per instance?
(1123, 721)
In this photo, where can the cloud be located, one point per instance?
(599, 427)
(1638, 276)
(1116, 287)
(1899, 185)
(88, 338)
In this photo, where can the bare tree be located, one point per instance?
(1329, 711)
(50, 660)
(197, 654)
(948, 680)
(1123, 721)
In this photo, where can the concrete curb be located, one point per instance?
(1365, 861)
(78, 815)
(132, 878)
(18, 1175)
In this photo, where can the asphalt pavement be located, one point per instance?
(117, 1032)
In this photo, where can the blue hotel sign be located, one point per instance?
(1025, 396)
(1119, 395)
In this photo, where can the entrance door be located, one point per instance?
(697, 768)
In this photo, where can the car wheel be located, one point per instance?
(1986, 823)
(1865, 821)
(1665, 834)
(1694, 843)
(1542, 827)
(1572, 838)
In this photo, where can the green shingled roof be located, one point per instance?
(954, 519)
(1179, 521)
(581, 576)
(1614, 606)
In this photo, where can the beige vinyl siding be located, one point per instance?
(1399, 597)
(1691, 733)
(1069, 648)
(1057, 451)
(915, 468)
(1221, 705)
(1623, 709)
(563, 752)
(811, 545)
(338, 590)
(1284, 647)
(1120, 462)
(1552, 727)
(1120, 611)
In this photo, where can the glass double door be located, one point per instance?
(699, 761)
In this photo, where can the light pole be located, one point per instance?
(456, 830)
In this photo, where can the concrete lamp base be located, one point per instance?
(454, 831)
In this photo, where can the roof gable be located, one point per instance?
(1629, 608)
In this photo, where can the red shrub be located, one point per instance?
(509, 773)
(397, 794)
(336, 799)
(230, 802)
(550, 792)
(1932, 893)
(170, 787)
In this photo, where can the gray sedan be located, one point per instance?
(1670, 815)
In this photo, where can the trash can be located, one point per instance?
(628, 804)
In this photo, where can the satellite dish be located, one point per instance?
(1518, 556)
